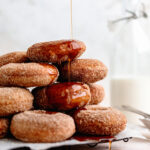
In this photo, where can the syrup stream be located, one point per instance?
(69, 70)
(110, 145)
(71, 19)
(71, 25)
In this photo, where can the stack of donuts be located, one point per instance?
(47, 94)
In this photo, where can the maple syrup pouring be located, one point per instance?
(110, 145)
(69, 70)
(71, 19)
(71, 25)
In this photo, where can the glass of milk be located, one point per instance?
(130, 62)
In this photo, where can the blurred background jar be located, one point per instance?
(130, 60)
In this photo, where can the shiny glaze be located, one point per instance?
(67, 95)
(52, 71)
(69, 70)
(72, 49)
(56, 51)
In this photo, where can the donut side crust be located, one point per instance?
(14, 100)
(84, 70)
(27, 74)
(40, 126)
(97, 93)
(4, 127)
(40, 98)
(96, 120)
(13, 57)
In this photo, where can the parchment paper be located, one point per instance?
(130, 131)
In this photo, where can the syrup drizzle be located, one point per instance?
(110, 144)
(80, 137)
(71, 33)
(71, 24)
(70, 97)
(69, 70)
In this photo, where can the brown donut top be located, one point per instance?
(28, 69)
(13, 57)
(28, 74)
(62, 96)
(11, 94)
(56, 51)
(84, 70)
(46, 119)
(106, 115)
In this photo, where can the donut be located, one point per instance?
(28, 74)
(42, 126)
(13, 57)
(4, 126)
(62, 96)
(96, 120)
(83, 70)
(97, 93)
(56, 51)
(14, 100)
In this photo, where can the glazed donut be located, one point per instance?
(83, 70)
(62, 96)
(14, 100)
(56, 51)
(4, 126)
(97, 93)
(28, 74)
(96, 120)
(13, 57)
(42, 126)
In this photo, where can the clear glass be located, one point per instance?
(130, 65)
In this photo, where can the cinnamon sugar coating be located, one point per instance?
(42, 126)
(14, 100)
(96, 120)
(56, 51)
(83, 70)
(28, 74)
(13, 57)
(4, 127)
(97, 93)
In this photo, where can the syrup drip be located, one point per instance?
(71, 27)
(82, 137)
(69, 70)
(53, 73)
(50, 112)
(110, 144)
(71, 19)
(95, 138)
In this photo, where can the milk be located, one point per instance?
(134, 92)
